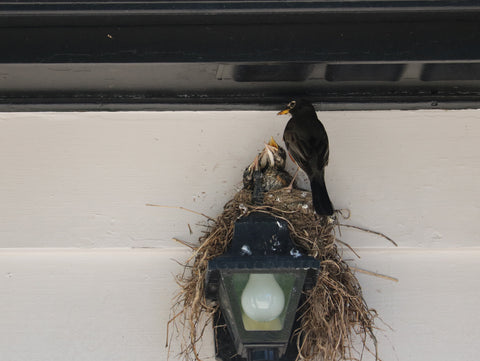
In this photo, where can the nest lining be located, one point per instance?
(334, 315)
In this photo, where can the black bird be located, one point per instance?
(307, 142)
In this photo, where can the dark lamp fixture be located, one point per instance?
(258, 284)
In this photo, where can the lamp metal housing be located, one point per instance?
(261, 244)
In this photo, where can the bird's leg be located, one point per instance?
(290, 186)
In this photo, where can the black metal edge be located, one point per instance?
(310, 266)
(364, 103)
(281, 264)
(19, 7)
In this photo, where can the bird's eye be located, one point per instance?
(292, 104)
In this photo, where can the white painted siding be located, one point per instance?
(81, 181)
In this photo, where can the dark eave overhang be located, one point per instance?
(224, 55)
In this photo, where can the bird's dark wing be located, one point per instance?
(298, 148)
(309, 149)
(322, 152)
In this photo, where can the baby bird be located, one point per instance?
(270, 163)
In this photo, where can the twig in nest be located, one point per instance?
(349, 247)
(369, 231)
(374, 274)
(191, 246)
(168, 326)
(182, 208)
(344, 212)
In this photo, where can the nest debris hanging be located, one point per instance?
(334, 314)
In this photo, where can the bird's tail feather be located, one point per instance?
(321, 200)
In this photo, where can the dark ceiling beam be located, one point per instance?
(235, 54)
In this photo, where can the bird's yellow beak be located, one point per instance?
(273, 143)
(285, 111)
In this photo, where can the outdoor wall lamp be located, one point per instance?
(259, 283)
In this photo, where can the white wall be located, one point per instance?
(74, 283)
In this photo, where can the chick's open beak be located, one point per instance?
(285, 111)
(273, 143)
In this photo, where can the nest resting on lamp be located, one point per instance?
(334, 316)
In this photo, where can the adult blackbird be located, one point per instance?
(307, 142)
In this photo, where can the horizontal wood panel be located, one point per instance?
(83, 179)
(114, 304)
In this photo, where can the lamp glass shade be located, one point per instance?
(262, 304)
(263, 297)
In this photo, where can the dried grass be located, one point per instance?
(334, 315)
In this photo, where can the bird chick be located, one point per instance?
(273, 156)
(271, 163)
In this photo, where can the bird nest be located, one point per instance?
(334, 316)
